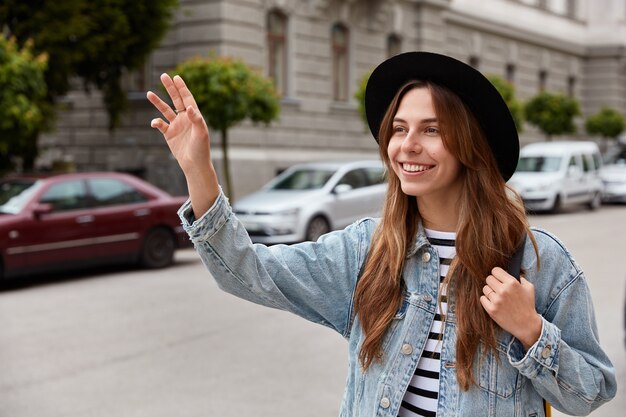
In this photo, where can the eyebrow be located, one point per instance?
(422, 122)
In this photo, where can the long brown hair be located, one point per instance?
(492, 223)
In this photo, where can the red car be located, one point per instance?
(69, 221)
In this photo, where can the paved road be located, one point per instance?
(169, 343)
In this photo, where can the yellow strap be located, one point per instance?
(548, 408)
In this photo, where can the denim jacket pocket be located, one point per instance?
(494, 374)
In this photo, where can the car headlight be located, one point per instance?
(287, 224)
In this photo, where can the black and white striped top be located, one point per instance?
(422, 393)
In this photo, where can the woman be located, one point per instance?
(435, 325)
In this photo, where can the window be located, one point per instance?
(304, 179)
(587, 164)
(570, 8)
(355, 178)
(539, 164)
(394, 45)
(340, 62)
(111, 192)
(277, 49)
(597, 161)
(67, 195)
(510, 73)
(571, 86)
(375, 175)
(543, 79)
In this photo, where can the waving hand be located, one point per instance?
(187, 136)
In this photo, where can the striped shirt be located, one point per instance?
(422, 393)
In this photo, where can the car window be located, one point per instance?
(111, 192)
(67, 195)
(539, 164)
(355, 178)
(14, 194)
(572, 161)
(304, 179)
(597, 161)
(586, 163)
(375, 175)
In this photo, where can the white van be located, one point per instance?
(550, 175)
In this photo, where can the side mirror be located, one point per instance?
(342, 189)
(41, 209)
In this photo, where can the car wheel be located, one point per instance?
(596, 201)
(158, 249)
(316, 228)
(558, 205)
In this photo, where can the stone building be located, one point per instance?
(317, 50)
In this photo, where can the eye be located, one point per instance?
(399, 129)
(431, 130)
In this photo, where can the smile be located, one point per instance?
(415, 167)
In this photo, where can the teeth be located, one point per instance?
(415, 168)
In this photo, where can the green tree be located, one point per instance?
(96, 40)
(507, 91)
(359, 95)
(552, 113)
(228, 91)
(22, 91)
(608, 123)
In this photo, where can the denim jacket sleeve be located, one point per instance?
(314, 280)
(567, 366)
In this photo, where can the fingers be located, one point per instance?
(161, 106)
(173, 91)
(501, 275)
(185, 94)
(160, 125)
(487, 291)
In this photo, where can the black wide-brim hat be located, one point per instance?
(474, 89)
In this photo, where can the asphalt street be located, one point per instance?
(124, 342)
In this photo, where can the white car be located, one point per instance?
(613, 175)
(308, 200)
(550, 175)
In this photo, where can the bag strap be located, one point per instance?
(514, 269)
(515, 264)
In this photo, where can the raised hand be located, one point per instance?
(187, 136)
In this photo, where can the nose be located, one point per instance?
(411, 143)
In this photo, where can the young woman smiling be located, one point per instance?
(434, 323)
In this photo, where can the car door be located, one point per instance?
(356, 202)
(62, 235)
(573, 184)
(121, 216)
(593, 164)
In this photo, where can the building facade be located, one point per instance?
(318, 50)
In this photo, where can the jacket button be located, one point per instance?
(407, 349)
(385, 403)
(426, 256)
(545, 353)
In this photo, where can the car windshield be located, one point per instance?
(539, 164)
(15, 193)
(304, 179)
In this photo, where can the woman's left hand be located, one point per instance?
(511, 304)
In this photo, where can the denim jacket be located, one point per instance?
(316, 280)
